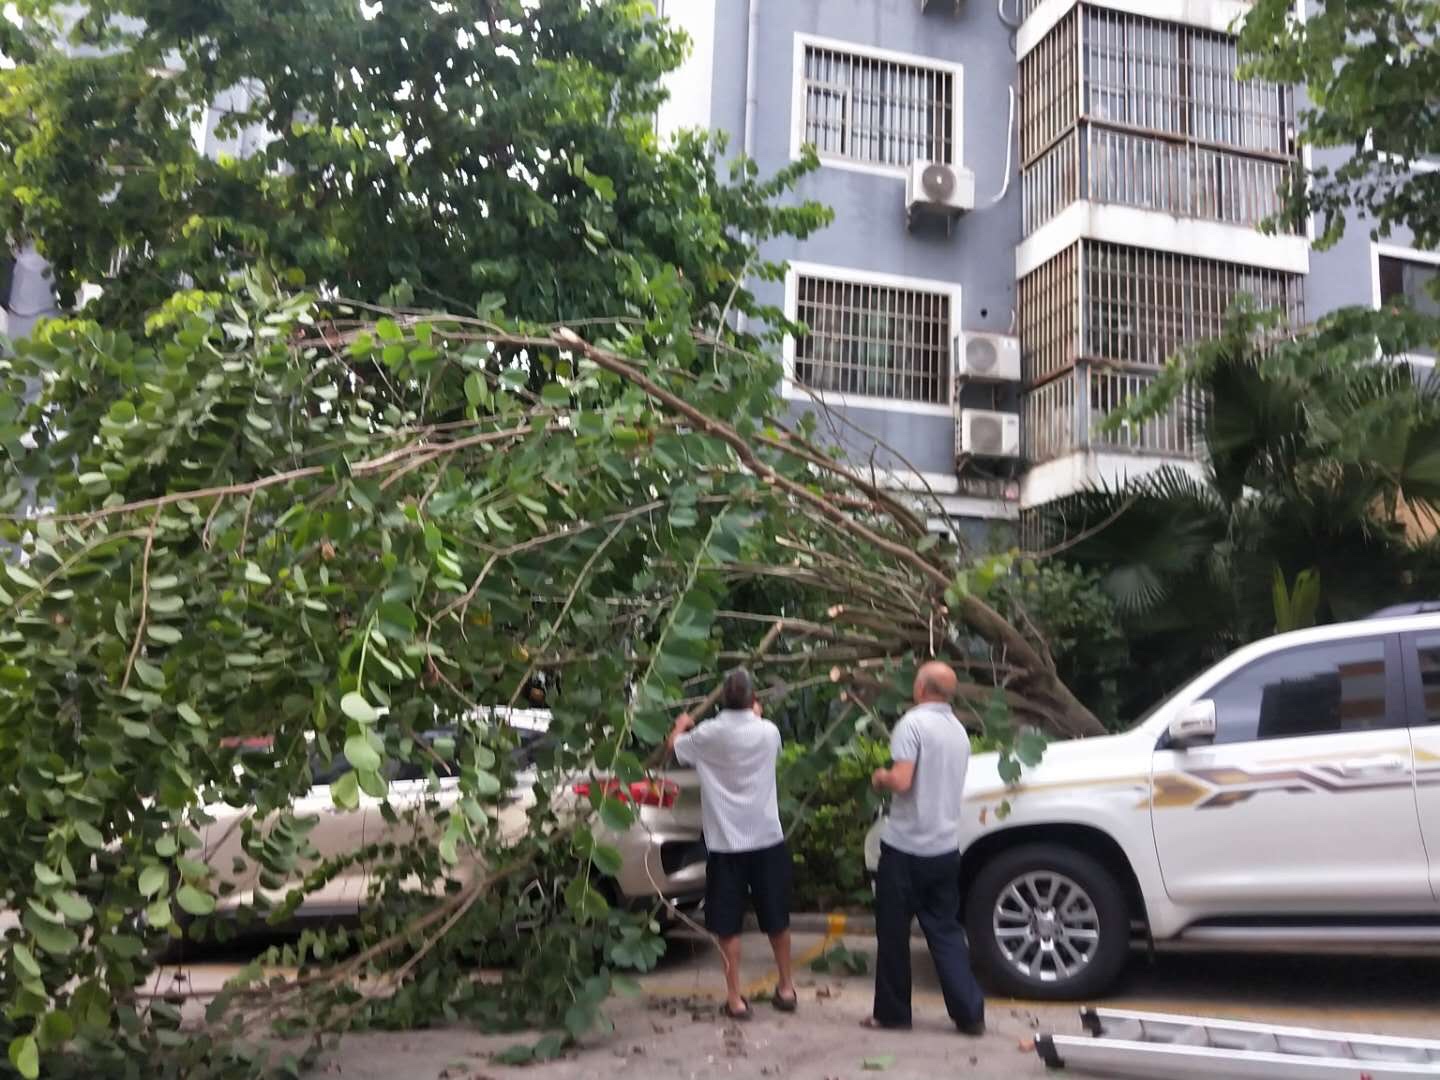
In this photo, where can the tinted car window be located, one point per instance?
(1427, 653)
(1310, 690)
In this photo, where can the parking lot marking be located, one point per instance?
(766, 984)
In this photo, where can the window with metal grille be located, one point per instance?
(873, 340)
(1142, 305)
(1122, 109)
(881, 112)
(1180, 80)
(1410, 283)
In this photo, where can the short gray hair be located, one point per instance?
(738, 690)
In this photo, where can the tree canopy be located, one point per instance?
(440, 153)
(1370, 69)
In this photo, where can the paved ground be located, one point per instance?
(673, 1032)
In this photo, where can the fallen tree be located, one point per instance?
(336, 528)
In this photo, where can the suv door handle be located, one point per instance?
(1371, 766)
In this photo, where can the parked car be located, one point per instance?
(662, 854)
(1288, 799)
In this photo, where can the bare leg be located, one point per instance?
(730, 949)
(780, 945)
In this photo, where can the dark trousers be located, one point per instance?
(927, 887)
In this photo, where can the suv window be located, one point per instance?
(1427, 653)
(1310, 690)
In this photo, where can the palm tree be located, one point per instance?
(1319, 460)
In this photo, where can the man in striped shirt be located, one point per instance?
(747, 862)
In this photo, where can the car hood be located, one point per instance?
(1105, 757)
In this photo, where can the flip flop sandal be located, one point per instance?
(741, 1014)
(786, 1004)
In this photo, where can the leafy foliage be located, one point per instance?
(1370, 68)
(257, 532)
(840, 960)
(1323, 466)
(1080, 623)
(827, 804)
(490, 151)
(265, 518)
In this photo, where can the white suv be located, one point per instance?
(1284, 800)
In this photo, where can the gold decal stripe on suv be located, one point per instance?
(1216, 789)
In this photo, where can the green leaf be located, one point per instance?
(152, 880)
(193, 901)
(616, 815)
(25, 1056)
(477, 392)
(388, 330)
(20, 577)
(45, 876)
(56, 940)
(255, 575)
(149, 674)
(486, 784)
(57, 1028)
(122, 413)
(358, 709)
(361, 754)
(579, 1019)
(878, 1063)
(555, 396)
(584, 901)
(1009, 769)
(26, 959)
(73, 906)
(159, 915)
(345, 792)
(190, 716)
(89, 835)
(165, 635)
(518, 1054)
(607, 859)
(1030, 748)
(371, 783)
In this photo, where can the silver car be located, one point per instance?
(662, 853)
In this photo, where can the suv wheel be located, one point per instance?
(1048, 922)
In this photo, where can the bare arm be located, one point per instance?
(898, 778)
(683, 723)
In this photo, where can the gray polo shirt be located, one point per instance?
(926, 819)
(735, 756)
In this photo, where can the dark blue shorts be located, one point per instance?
(736, 879)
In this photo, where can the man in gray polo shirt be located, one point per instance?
(747, 861)
(919, 873)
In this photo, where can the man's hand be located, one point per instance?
(683, 723)
(897, 779)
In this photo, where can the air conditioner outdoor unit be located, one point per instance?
(989, 434)
(987, 357)
(944, 190)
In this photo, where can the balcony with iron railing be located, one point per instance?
(1099, 320)
(1106, 165)
(1069, 413)
(1130, 111)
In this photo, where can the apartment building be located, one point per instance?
(1036, 205)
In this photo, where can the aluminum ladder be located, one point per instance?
(1156, 1046)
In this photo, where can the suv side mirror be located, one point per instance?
(1194, 725)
